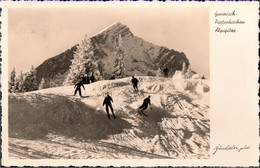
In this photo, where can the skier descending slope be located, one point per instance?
(165, 71)
(135, 82)
(78, 85)
(145, 105)
(87, 80)
(92, 78)
(107, 101)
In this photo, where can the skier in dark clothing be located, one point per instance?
(203, 77)
(87, 80)
(165, 71)
(84, 80)
(92, 78)
(145, 105)
(113, 77)
(107, 102)
(135, 82)
(78, 85)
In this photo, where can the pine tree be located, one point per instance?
(184, 68)
(42, 85)
(159, 72)
(12, 82)
(101, 69)
(30, 82)
(119, 62)
(188, 74)
(20, 83)
(83, 62)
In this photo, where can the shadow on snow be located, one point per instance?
(34, 117)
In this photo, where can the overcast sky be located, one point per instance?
(38, 34)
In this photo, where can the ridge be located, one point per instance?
(116, 24)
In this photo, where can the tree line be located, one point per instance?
(83, 63)
(24, 82)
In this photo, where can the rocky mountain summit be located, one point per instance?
(141, 57)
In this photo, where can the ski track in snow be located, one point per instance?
(177, 126)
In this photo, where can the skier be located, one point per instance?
(203, 77)
(79, 84)
(135, 82)
(92, 78)
(165, 71)
(112, 77)
(87, 80)
(83, 79)
(107, 101)
(144, 105)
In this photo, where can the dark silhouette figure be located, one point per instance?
(135, 82)
(92, 78)
(78, 85)
(113, 77)
(107, 102)
(84, 80)
(203, 77)
(87, 80)
(165, 72)
(144, 105)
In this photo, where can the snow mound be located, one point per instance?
(58, 114)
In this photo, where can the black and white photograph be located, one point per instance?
(129, 84)
(113, 83)
(118, 83)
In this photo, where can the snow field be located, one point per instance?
(177, 126)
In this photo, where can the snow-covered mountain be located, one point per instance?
(141, 57)
(51, 123)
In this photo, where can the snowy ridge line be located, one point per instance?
(106, 28)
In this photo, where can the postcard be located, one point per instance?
(129, 83)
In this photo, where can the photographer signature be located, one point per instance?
(230, 148)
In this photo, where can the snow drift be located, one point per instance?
(177, 126)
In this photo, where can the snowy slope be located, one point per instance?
(51, 123)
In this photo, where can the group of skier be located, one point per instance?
(146, 102)
(108, 99)
(87, 79)
(84, 80)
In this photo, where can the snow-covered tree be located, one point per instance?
(52, 84)
(159, 73)
(12, 82)
(30, 82)
(189, 73)
(101, 68)
(20, 83)
(119, 62)
(43, 84)
(184, 68)
(83, 62)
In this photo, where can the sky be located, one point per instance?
(35, 35)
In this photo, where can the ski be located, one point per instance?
(141, 112)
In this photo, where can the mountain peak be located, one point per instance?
(116, 29)
(117, 24)
(140, 57)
